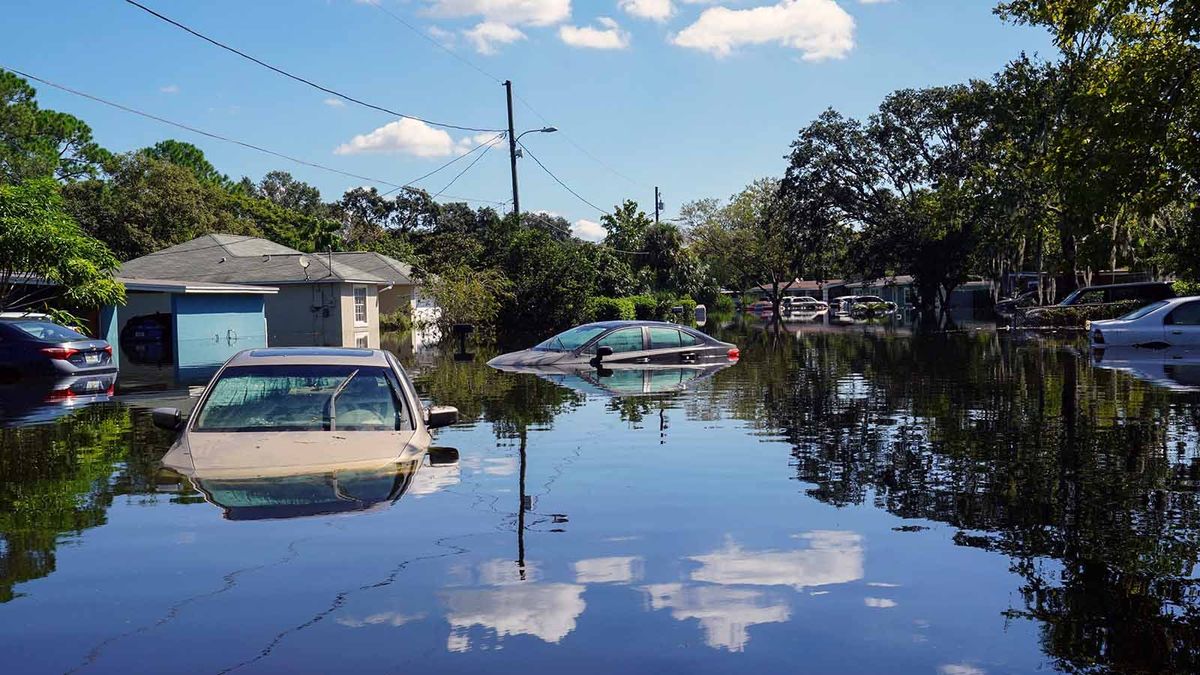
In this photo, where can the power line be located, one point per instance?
(489, 142)
(297, 78)
(460, 173)
(234, 141)
(470, 64)
(579, 147)
(558, 180)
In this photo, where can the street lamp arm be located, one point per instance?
(543, 130)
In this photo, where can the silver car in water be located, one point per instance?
(274, 412)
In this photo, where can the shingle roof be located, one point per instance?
(237, 259)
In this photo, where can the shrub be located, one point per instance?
(723, 305)
(1074, 316)
(645, 307)
(1185, 288)
(611, 309)
(470, 296)
(400, 320)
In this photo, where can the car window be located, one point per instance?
(1185, 315)
(571, 340)
(299, 398)
(664, 338)
(1142, 311)
(687, 339)
(1137, 293)
(1089, 297)
(44, 330)
(624, 340)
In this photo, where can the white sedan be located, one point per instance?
(1166, 323)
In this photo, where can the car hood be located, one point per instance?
(528, 358)
(281, 453)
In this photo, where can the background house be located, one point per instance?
(213, 289)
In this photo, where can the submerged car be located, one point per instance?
(41, 347)
(1165, 323)
(805, 305)
(622, 379)
(278, 412)
(1174, 368)
(617, 342)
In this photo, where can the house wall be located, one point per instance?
(304, 315)
(350, 329)
(396, 297)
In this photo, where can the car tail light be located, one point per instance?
(60, 353)
(108, 350)
(735, 353)
(60, 395)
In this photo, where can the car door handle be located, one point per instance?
(1176, 332)
(688, 356)
(644, 359)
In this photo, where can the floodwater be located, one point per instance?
(843, 499)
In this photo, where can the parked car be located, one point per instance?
(1165, 323)
(294, 410)
(1008, 308)
(805, 305)
(41, 347)
(1148, 291)
(863, 305)
(630, 342)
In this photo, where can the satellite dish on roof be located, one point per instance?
(304, 262)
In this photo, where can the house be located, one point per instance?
(799, 288)
(220, 293)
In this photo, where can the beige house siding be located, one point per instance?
(351, 329)
(394, 298)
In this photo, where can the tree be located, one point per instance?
(39, 239)
(36, 143)
(189, 157)
(279, 187)
(626, 226)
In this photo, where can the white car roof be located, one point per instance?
(325, 356)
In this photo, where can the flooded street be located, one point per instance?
(843, 499)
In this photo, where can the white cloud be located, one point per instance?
(545, 611)
(655, 10)
(879, 603)
(170, 89)
(532, 12)
(614, 570)
(725, 614)
(334, 102)
(408, 137)
(820, 29)
(432, 479)
(589, 230)
(444, 37)
(488, 35)
(607, 36)
(832, 558)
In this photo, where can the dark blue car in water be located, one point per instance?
(41, 347)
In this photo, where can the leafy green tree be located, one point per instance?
(626, 226)
(279, 187)
(37, 143)
(470, 296)
(189, 157)
(39, 238)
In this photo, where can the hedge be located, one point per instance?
(611, 309)
(1074, 316)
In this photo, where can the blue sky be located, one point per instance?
(698, 97)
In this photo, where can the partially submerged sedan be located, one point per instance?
(623, 342)
(1165, 323)
(278, 412)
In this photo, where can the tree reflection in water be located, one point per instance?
(1084, 478)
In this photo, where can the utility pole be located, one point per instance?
(512, 152)
(657, 202)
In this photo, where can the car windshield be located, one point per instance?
(869, 298)
(303, 398)
(1142, 311)
(571, 340)
(44, 330)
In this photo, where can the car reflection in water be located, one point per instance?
(319, 490)
(26, 401)
(622, 380)
(1175, 368)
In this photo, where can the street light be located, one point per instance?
(543, 130)
(515, 153)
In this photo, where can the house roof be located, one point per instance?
(799, 285)
(192, 287)
(239, 259)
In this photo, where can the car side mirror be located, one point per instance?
(440, 416)
(167, 418)
(604, 351)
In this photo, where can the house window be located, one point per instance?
(361, 341)
(360, 305)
